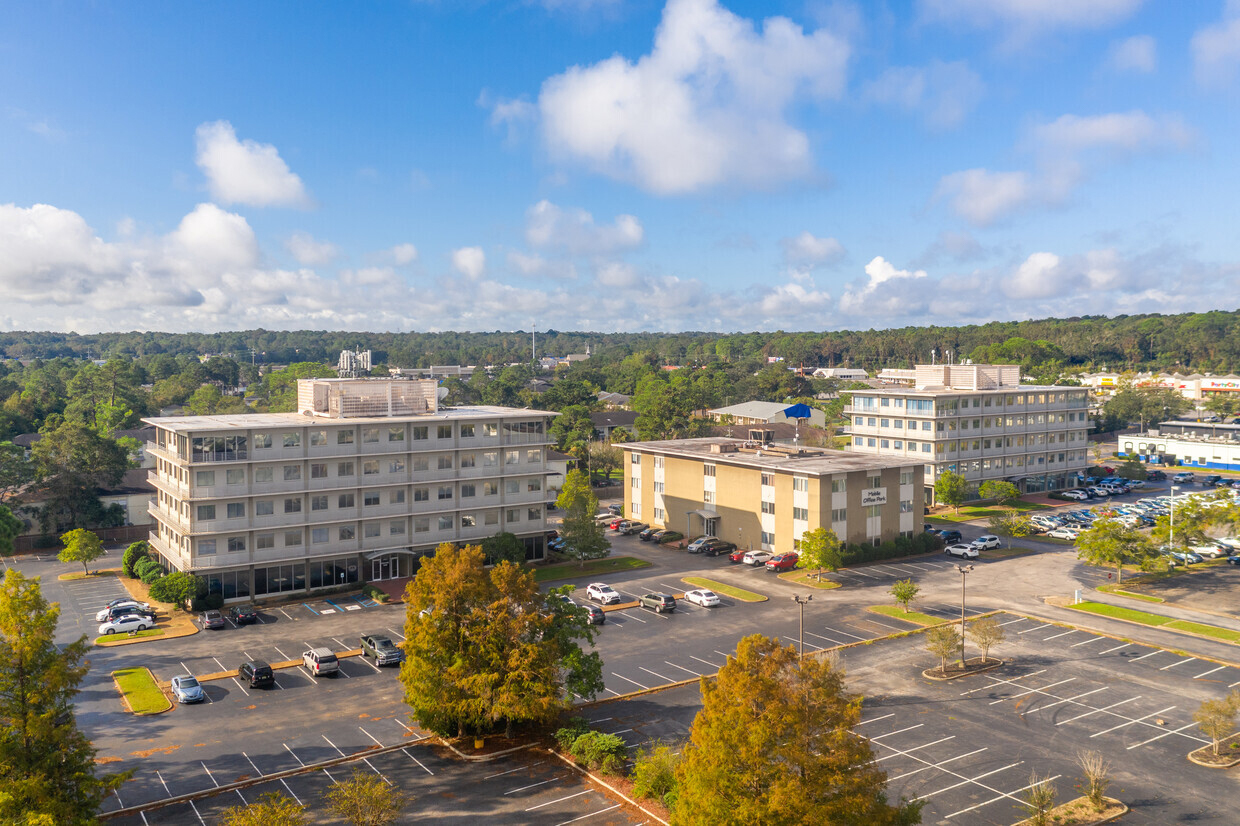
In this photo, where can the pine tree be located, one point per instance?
(773, 745)
(47, 767)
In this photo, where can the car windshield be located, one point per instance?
(189, 682)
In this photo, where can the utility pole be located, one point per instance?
(964, 570)
(802, 601)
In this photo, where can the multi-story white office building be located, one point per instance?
(980, 421)
(366, 476)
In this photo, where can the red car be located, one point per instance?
(738, 555)
(783, 562)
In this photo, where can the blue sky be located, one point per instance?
(609, 165)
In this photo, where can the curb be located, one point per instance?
(1193, 634)
(125, 699)
(942, 678)
(595, 778)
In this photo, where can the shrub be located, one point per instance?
(566, 736)
(600, 752)
(143, 565)
(133, 554)
(151, 575)
(374, 593)
(654, 774)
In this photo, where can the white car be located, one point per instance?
(125, 624)
(602, 592)
(1065, 533)
(699, 543)
(961, 550)
(702, 597)
(1078, 495)
(986, 542)
(1208, 551)
(756, 557)
(102, 616)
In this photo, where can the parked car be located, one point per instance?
(1155, 476)
(961, 550)
(1183, 477)
(602, 592)
(1211, 480)
(1234, 559)
(187, 690)
(1209, 550)
(615, 510)
(658, 603)
(382, 649)
(1185, 557)
(663, 537)
(696, 546)
(648, 534)
(320, 662)
(986, 542)
(211, 619)
(109, 614)
(756, 557)
(125, 624)
(119, 601)
(1065, 533)
(783, 562)
(617, 523)
(702, 597)
(595, 615)
(257, 673)
(738, 555)
(243, 614)
(1076, 494)
(949, 536)
(633, 527)
(718, 546)
(927, 527)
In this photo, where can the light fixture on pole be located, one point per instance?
(1171, 520)
(964, 570)
(802, 601)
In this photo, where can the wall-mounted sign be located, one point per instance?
(873, 496)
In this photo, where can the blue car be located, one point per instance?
(187, 690)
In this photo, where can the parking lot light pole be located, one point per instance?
(1171, 521)
(802, 601)
(964, 570)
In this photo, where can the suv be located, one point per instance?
(257, 673)
(718, 546)
(320, 661)
(658, 602)
(950, 536)
(632, 528)
(1155, 476)
(1211, 481)
(382, 649)
(1183, 476)
(602, 592)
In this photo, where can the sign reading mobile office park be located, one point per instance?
(873, 496)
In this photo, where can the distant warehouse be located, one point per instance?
(762, 495)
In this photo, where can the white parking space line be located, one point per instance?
(682, 668)
(858, 573)
(282, 611)
(168, 792)
(873, 720)
(281, 653)
(793, 641)
(897, 731)
(1087, 642)
(517, 769)
(560, 800)
(634, 682)
(821, 637)
(1002, 682)
(220, 664)
(1132, 722)
(338, 642)
(633, 616)
(371, 736)
(237, 683)
(1211, 671)
(1039, 628)
(1116, 648)
(1103, 710)
(1028, 691)
(721, 654)
(705, 662)
(933, 765)
(591, 814)
(1181, 662)
(251, 762)
(1012, 622)
(845, 633)
(657, 674)
(1071, 699)
(295, 757)
(1057, 636)
(531, 786)
(369, 663)
(1143, 656)
(967, 780)
(419, 762)
(396, 633)
(289, 788)
(1161, 736)
(918, 748)
(1003, 795)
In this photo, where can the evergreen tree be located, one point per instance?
(773, 745)
(47, 765)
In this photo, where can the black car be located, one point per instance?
(1211, 481)
(929, 528)
(1155, 476)
(595, 614)
(718, 546)
(615, 510)
(211, 619)
(257, 673)
(648, 534)
(243, 614)
(951, 536)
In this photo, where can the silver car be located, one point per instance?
(186, 689)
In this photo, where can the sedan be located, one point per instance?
(126, 624)
(986, 542)
(115, 606)
(187, 690)
(1233, 559)
(648, 534)
(1079, 495)
(702, 597)
(1188, 558)
(243, 614)
(663, 537)
(757, 557)
(119, 601)
(211, 619)
(961, 550)
(696, 546)
(602, 592)
(124, 611)
(1065, 533)
(783, 562)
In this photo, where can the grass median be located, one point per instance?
(112, 639)
(1118, 590)
(592, 567)
(726, 590)
(809, 579)
(915, 617)
(969, 513)
(141, 692)
(1158, 621)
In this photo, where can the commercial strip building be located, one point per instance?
(1195, 387)
(366, 476)
(977, 420)
(763, 495)
(1213, 446)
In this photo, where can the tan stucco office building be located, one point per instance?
(766, 496)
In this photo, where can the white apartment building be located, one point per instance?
(367, 476)
(980, 421)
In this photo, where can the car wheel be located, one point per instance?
(141, 626)
(110, 631)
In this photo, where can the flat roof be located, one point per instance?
(952, 391)
(814, 461)
(246, 421)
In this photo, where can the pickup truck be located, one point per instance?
(382, 649)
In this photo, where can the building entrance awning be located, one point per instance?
(706, 514)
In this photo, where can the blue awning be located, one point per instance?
(798, 411)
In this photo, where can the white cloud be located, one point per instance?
(1125, 131)
(1216, 48)
(308, 251)
(944, 93)
(898, 293)
(245, 172)
(1038, 276)
(574, 231)
(403, 254)
(470, 262)
(983, 197)
(214, 238)
(1135, 54)
(705, 107)
(533, 264)
(1024, 19)
(808, 250)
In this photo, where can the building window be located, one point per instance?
(708, 497)
(292, 473)
(535, 514)
(318, 503)
(318, 471)
(262, 440)
(370, 435)
(206, 512)
(445, 523)
(468, 490)
(468, 460)
(839, 514)
(800, 513)
(396, 527)
(884, 422)
(768, 507)
(533, 457)
(768, 539)
(467, 431)
(445, 462)
(204, 478)
(858, 441)
(884, 443)
(370, 467)
(874, 510)
(768, 479)
(422, 524)
(421, 463)
(512, 457)
(512, 486)
(906, 506)
(659, 515)
(344, 469)
(264, 541)
(870, 443)
(925, 447)
(444, 431)
(468, 520)
(235, 476)
(346, 500)
(206, 547)
(838, 485)
(292, 538)
(635, 459)
(490, 488)
(906, 477)
(445, 492)
(396, 434)
(318, 438)
(236, 510)
(800, 483)
(347, 532)
(897, 445)
(344, 437)
(658, 461)
(396, 497)
(490, 518)
(264, 507)
(396, 466)
(292, 505)
(421, 432)
(533, 484)
(421, 494)
(236, 544)
(370, 497)
(372, 529)
(294, 439)
(512, 515)
(708, 470)
(658, 487)
(264, 474)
